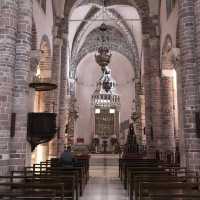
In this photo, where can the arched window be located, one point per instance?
(42, 4)
(170, 4)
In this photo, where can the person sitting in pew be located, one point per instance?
(67, 157)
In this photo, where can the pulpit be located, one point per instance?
(41, 128)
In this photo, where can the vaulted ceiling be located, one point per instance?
(126, 19)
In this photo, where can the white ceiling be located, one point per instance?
(126, 12)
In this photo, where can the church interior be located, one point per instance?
(116, 81)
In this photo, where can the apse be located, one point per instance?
(87, 75)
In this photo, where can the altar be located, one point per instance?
(105, 108)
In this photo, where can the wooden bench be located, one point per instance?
(149, 189)
(40, 169)
(134, 170)
(137, 172)
(82, 161)
(70, 188)
(70, 179)
(31, 190)
(124, 163)
(184, 196)
(134, 186)
(73, 177)
(76, 171)
(176, 171)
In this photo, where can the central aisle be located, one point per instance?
(104, 183)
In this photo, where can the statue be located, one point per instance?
(131, 145)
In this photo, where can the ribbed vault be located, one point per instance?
(116, 43)
(142, 7)
(124, 42)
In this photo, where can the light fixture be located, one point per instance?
(112, 111)
(97, 111)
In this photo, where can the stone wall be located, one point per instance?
(188, 39)
(17, 36)
(19, 147)
(8, 24)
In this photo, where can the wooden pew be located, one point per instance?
(69, 182)
(31, 190)
(134, 174)
(134, 170)
(149, 189)
(75, 171)
(186, 195)
(81, 161)
(134, 186)
(124, 163)
(51, 170)
(44, 167)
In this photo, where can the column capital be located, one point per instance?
(60, 27)
(34, 59)
(58, 41)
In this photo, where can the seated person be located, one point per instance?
(67, 157)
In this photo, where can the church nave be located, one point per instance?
(104, 183)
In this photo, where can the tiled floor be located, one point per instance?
(104, 183)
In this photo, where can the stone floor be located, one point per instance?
(104, 183)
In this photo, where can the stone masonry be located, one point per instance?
(155, 93)
(19, 148)
(8, 29)
(167, 114)
(147, 90)
(189, 81)
(16, 36)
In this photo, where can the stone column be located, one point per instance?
(20, 152)
(139, 130)
(168, 139)
(197, 24)
(8, 24)
(147, 92)
(56, 78)
(155, 92)
(197, 18)
(168, 98)
(189, 83)
(63, 107)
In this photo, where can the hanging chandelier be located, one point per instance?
(103, 53)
